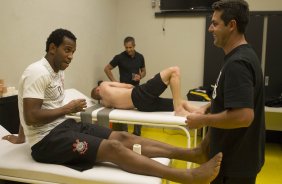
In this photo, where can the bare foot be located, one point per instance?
(189, 107)
(184, 108)
(208, 171)
(180, 112)
(197, 155)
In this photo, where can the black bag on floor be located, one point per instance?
(274, 102)
(200, 94)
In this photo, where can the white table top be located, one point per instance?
(273, 109)
(267, 109)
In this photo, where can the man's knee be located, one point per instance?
(174, 71)
(121, 136)
(109, 151)
(171, 72)
(112, 146)
(115, 146)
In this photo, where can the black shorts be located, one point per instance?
(146, 96)
(71, 144)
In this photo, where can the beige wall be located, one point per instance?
(100, 26)
(266, 5)
(26, 24)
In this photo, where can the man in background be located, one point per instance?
(131, 65)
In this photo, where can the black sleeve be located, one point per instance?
(115, 61)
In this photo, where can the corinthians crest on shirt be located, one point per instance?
(80, 146)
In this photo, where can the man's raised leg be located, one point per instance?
(171, 77)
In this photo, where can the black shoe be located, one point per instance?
(137, 133)
(137, 130)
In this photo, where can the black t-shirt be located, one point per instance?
(128, 65)
(240, 85)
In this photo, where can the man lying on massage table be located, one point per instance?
(57, 140)
(146, 96)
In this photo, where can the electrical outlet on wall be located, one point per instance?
(154, 3)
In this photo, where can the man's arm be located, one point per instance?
(228, 119)
(142, 73)
(108, 70)
(35, 115)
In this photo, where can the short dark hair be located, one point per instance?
(57, 37)
(94, 94)
(99, 82)
(129, 39)
(234, 9)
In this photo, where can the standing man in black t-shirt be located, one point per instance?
(131, 65)
(236, 120)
